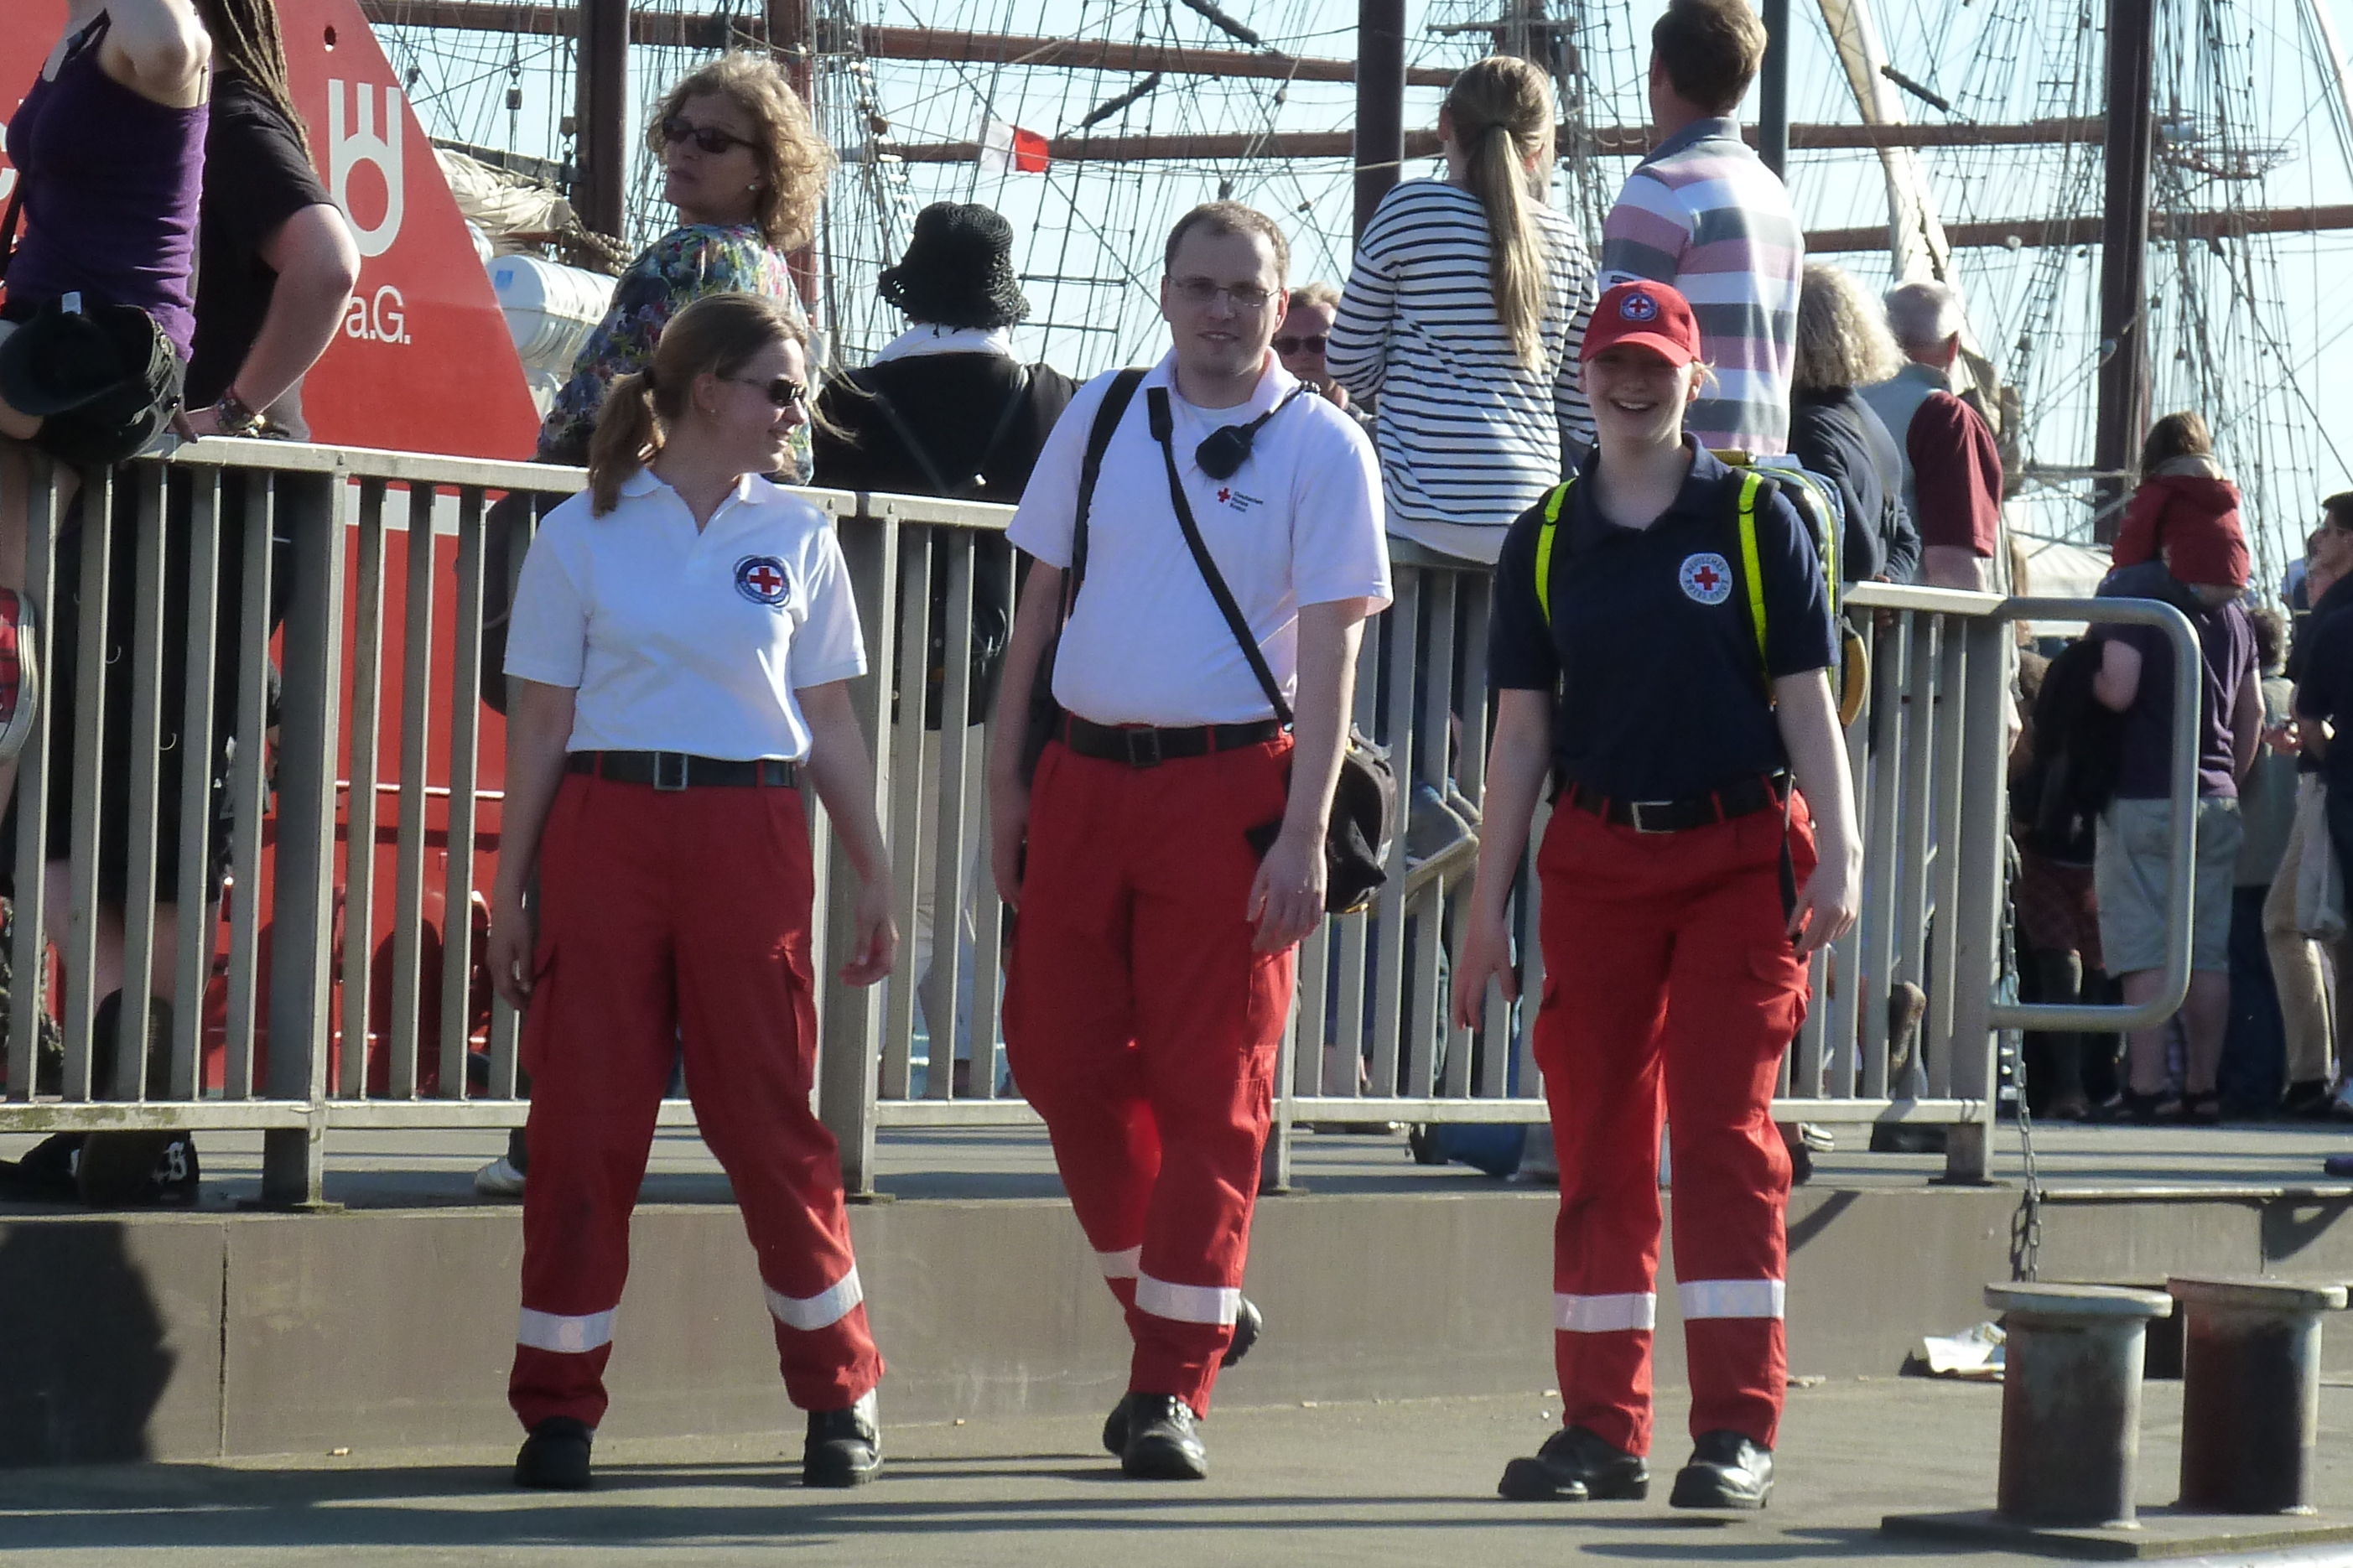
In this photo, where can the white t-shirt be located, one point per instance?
(685, 641)
(1299, 523)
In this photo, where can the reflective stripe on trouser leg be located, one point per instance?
(1119, 1271)
(747, 1021)
(1144, 1028)
(600, 976)
(1597, 1031)
(1740, 996)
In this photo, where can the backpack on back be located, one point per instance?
(2078, 751)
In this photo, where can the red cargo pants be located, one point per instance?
(1669, 983)
(676, 921)
(1144, 1030)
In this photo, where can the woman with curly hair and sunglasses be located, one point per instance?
(745, 168)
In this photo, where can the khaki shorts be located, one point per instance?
(2129, 881)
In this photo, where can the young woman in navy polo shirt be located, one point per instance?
(679, 657)
(1682, 896)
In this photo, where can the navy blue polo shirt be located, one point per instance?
(1661, 694)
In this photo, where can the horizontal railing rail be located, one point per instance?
(317, 703)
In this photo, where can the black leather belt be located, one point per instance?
(1742, 798)
(678, 770)
(1148, 748)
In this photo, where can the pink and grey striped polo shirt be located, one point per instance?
(1702, 215)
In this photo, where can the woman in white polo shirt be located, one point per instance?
(682, 643)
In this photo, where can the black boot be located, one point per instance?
(844, 1448)
(1576, 1466)
(554, 1458)
(1727, 1470)
(1248, 1324)
(1162, 1445)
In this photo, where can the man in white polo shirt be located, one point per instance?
(1151, 973)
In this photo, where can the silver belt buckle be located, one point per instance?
(1636, 808)
(667, 779)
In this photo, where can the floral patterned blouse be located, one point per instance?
(671, 273)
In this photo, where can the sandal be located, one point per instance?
(2202, 1109)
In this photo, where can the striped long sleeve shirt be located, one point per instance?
(1705, 216)
(1468, 436)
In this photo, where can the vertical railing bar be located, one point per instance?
(987, 948)
(78, 949)
(1431, 761)
(28, 951)
(465, 754)
(1911, 848)
(909, 743)
(1378, 652)
(248, 784)
(1531, 951)
(150, 543)
(1951, 722)
(1388, 919)
(949, 885)
(192, 883)
(360, 804)
(1876, 970)
(1310, 1016)
(1841, 1034)
(415, 720)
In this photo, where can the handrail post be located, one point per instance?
(1976, 948)
(311, 509)
(850, 1025)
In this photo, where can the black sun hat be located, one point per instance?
(958, 269)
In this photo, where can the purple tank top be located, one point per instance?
(110, 183)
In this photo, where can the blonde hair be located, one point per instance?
(794, 158)
(1500, 111)
(1841, 339)
(718, 334)
(1315, 294)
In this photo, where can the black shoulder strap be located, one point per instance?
(1163, 430)
(8, 224)
(905, 432)
(962, 489)
(1108, 413)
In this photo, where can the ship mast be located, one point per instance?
(1380, 102)
(601, 196)
(2124, 255)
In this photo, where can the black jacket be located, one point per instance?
(1836, 435)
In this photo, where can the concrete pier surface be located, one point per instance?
(1408, 1482)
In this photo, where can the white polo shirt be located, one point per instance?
(684, 641)
(1299, 523)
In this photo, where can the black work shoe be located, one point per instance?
(1249, 1323)
(1575, 1465)
(1161, 1443)
(554, 1458)
(844, 1448)
(116, 1169)
(1727, 1470)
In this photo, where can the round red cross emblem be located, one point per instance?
(762, 579)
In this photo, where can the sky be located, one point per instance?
(2259, 341)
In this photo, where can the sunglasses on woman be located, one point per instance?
(1293, 345)
(678, 128)
(783, 391)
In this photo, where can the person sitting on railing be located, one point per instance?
(744, 166)
(2182, 484)
(1170, 854)
(108, 149)
(2202, 570)
(1682, 899)
(1462, 318)
(947, 408)
(683, 639)
(277, 265)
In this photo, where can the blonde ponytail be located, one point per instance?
(718, 334)
(1501, 110)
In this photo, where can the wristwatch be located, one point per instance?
(236, 418)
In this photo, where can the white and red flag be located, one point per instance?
(1009, 150)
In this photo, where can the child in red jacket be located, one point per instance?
(2182, 489)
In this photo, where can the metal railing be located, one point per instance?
(346, 990)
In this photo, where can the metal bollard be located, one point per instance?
(2071, 1400)
(2249, 1392)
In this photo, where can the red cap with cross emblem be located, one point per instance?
(1644, 315)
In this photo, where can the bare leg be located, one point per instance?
(2144, 1048)
(2205, 1021)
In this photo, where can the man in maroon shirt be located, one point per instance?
(1952, 468)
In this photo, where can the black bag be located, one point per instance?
(102, 379)
(1364, 801)
(2078, 751)
(1043, 710)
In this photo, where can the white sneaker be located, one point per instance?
(499, 1179)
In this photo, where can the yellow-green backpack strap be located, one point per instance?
(1750, 483)
(1544, 547)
